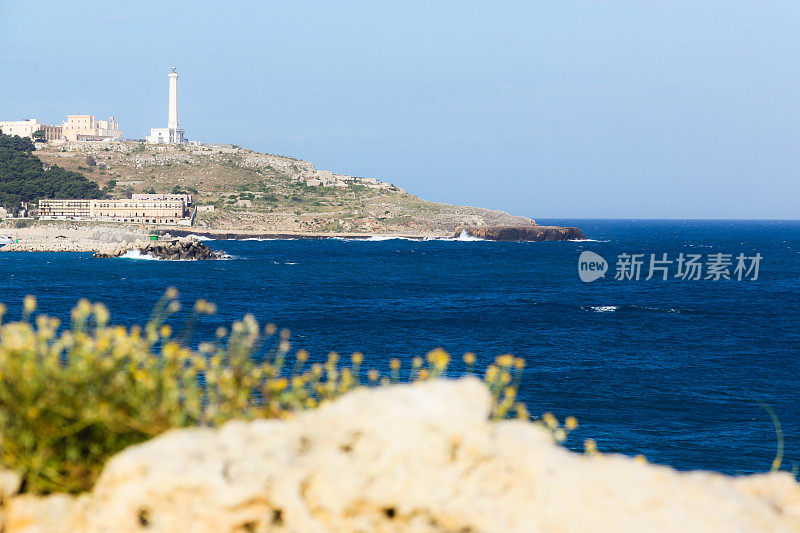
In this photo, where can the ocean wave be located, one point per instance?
(586, 240)
(200, 237)
(640, 308)
(463, 237)
(137, 254)
(604, 308)
(372, 238)
(386, 238)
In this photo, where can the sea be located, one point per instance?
(681, 370)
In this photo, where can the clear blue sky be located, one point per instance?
(562, 108)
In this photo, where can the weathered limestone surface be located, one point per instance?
(522, 233)
(420, 457)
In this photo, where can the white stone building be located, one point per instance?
(172, 134)
(23, 128)
(88, 128)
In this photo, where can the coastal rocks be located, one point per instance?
(521, 233)
(184, 249)
(419, 458)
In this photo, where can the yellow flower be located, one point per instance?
(571, 423)
(550, 420)
(204, 307)
(416, 362)
(166, 331)
(302, 355)
(506, 360)
(373, 374)
(394, 364)
(469, 358)
(29, 304)
(357, 358)
(590, 446)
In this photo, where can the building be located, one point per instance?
(76, 128)
(185, 198)
(88, 128)
(23, 128)
(143, 208)
(146, 211)
(53, 133)
(172, 134)
(65, 208)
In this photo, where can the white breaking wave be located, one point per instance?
(136, 254)
(604, 308)
(371, 238)
(467, 237)
(585, 240)
(200, 237)
(463, 237)
(385, 238)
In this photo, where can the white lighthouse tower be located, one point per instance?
(172, 122)
(171, 134)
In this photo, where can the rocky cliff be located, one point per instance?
(521, 233)
(418, 458)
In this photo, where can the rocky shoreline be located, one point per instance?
(114, 240)
(521, 233)
(182, 249)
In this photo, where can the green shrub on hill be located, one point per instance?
(23, 177)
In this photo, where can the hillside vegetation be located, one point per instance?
(24, 178)
(253, 191)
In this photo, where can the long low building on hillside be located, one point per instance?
(142, 209)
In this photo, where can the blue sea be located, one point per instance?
(674, 369)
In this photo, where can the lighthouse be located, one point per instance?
(172, 134)
(172, 122)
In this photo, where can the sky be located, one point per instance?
(547, 109)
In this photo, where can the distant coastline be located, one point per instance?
(62, 236)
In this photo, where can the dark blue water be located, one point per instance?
(671, 369)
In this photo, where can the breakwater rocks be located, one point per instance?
(412, 458)
(521, 233)
(183, 249)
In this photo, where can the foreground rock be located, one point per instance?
(420, 457)
(521, 233)
(184, 249)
